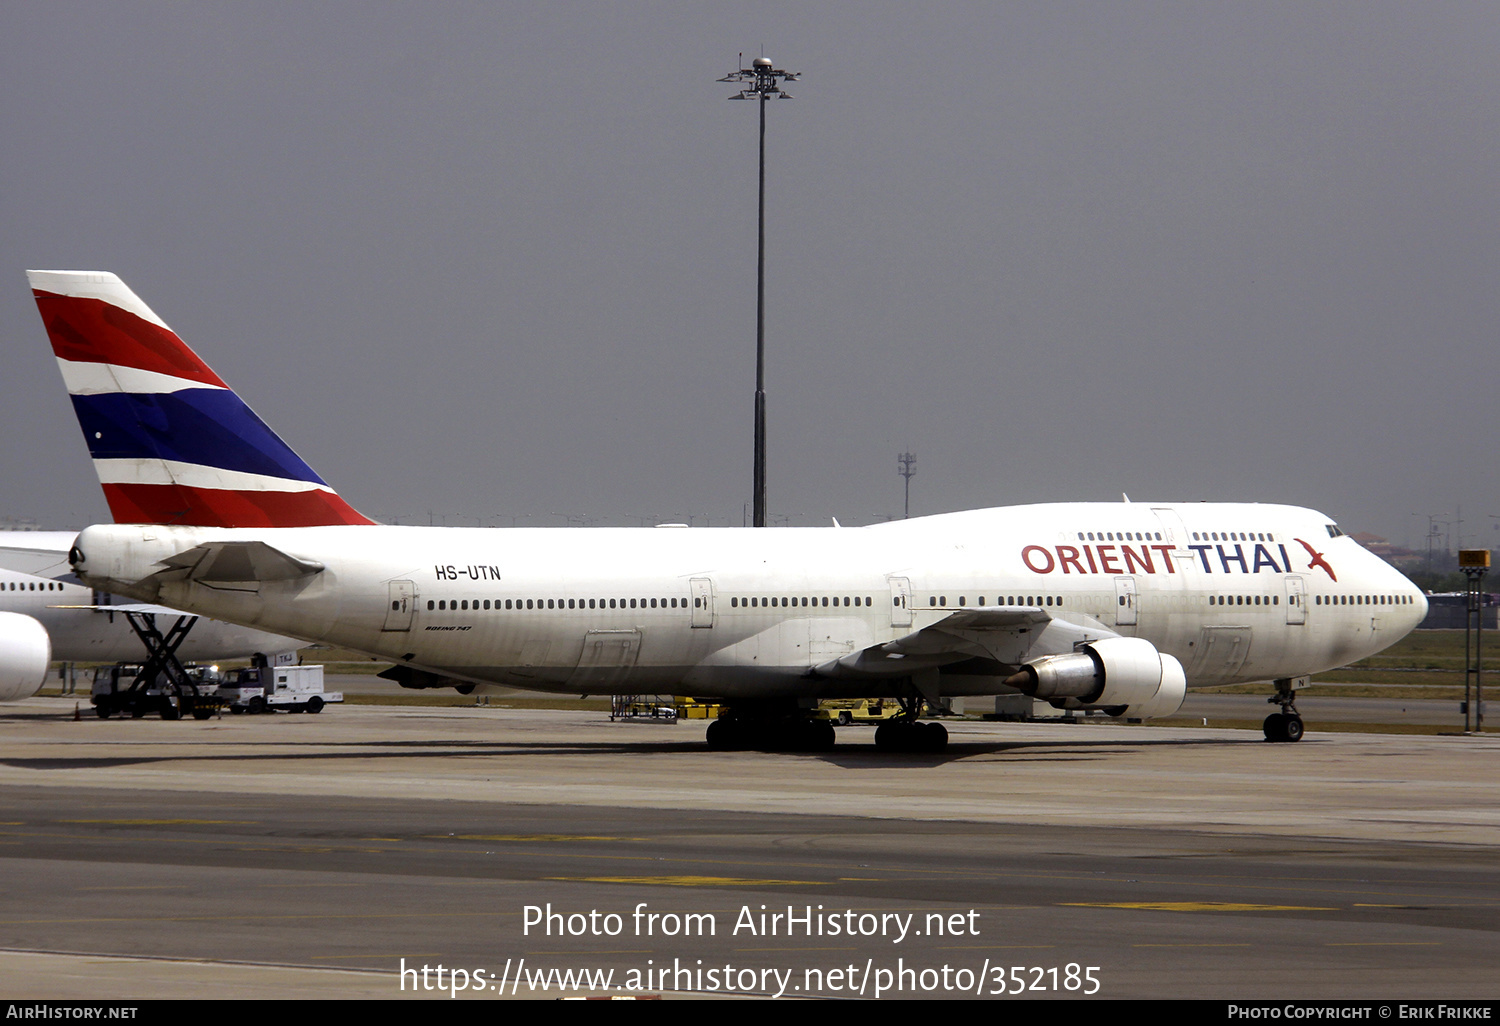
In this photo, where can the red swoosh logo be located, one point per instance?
(1317, 559)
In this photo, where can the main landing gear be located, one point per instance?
(906, 733)
(911, 736)
(783, 727)
(768, 731)
(1287, 724)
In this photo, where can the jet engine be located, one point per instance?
(25, 651)
(1124, 673)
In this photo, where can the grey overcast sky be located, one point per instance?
(483, 260)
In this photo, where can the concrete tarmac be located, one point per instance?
(1318, 709)
(308, 856)
(1314, 709)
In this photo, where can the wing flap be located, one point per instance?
(964, 634)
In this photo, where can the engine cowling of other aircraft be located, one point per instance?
(25, 651)
(1128, 673)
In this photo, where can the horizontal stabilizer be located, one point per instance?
(224, 563)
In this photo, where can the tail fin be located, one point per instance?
(171, 443)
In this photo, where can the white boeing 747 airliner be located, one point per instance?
(1117, 607)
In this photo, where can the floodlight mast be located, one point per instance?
(762, 81)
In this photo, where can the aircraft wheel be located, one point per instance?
(1275, 727)
(724, 736)
(812, 736)
(909, 736)
(314, 705)
(715, 736)
(806, 736)
(826, 736)
(934, 737)
(896, 736)
(1291, 730)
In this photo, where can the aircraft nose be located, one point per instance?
(1417, 610)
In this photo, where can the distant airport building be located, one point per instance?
(1401, 559)
(1447, 611)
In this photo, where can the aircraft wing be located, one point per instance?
(128, 607)
(42, 553)
(1005, 635)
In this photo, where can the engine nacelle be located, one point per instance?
(1114, 672)
(25, 651)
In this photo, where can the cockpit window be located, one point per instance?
(1334, 532)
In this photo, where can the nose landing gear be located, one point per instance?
(1287, 724)
(1283, 727)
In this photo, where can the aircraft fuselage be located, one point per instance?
(1236, 592)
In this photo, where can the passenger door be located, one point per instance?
(900, 602)
(703, 601)
(1296, 599)
(402, 600)
(1126, 601)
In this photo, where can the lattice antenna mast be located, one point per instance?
(907, 463)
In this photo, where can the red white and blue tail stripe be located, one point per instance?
(172, 444)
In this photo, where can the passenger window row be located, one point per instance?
(1028, 601)
(476, 604)
(1363, 600)
(756, 601)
